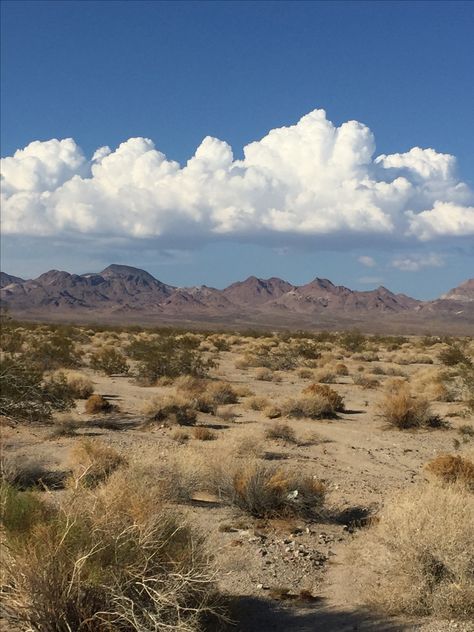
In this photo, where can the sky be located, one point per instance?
(209, 141)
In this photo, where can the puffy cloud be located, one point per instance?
(308, 179)
(413, 263)
(367, 261)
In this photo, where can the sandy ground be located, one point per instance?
(361, 462)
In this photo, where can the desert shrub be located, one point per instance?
(466, 430)
(453, 469)
(173, 409)
(65, 428)
(282, 432)
(367, 356)
(353, 341)
(273, 411)
(204, 434)
(325, 376)
(21, 510)
(221, 393)
(263, 374)
(92, 462)
(97, 404)
(25, 396)
(109, 361)
(167, 356)
(257, 403)
(340, 369)
(305, 374)
(108, 561)
(366, 381)
(53, 351)
(266, 491)
(330, 398)
(417, 558)
(453, 355)
(401, 409)
(80, 386)
(180, 436)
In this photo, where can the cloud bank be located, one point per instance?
(311, 179)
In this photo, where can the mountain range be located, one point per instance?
(125, 294)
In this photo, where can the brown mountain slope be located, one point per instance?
(123, 293)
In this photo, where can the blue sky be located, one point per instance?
(104, 72)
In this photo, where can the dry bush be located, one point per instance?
(325, 376)
(452, 469)
(466, 430)
(264, 375)
(273, 412)
(204, 434)
(243, 391)
(366, 381)
(317, 402)
(266, 491)
(282, 432)
(109, 361)
(80, 385)
(340, 369)
(114, 560)
(180, 436)
(250, 446)
(417, 559)
(433, 384)
(174, 409)
(221, 393)
(367, 356)
(401, 409)
(305, 374)
(92, 462)
(257, 403)
(97, 404)
(406, 359)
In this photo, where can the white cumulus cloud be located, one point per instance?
(413, 263)
(367, 261)
(308, 179)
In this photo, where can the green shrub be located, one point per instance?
(109, 361)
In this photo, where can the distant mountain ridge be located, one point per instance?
(126, 293)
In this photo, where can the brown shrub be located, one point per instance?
(401, 409)
(453, 469)
(222, 393)
(366, 381)
(113, 559)
(257, 403)
(204, 434)
(417, 558)
(281, 431)
(96, 404)
(92, 462)
(264, 375)
(173, 409)
(80, 385)
(325, 376)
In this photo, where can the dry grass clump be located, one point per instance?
(305, 374)
(80, 385)
(317, 402)
(263, 374)
(280, 431)
(107, 561)
(97, 404)
(453, 469)
(173, 409)
(325, 376)
(221, 393)
(434, 385)
(204, 434)
(180, 436)
(92, 462)
(417, 559)
(267, 491)
(401, 409)
(366, 381)
(340, 369)
(257, 403)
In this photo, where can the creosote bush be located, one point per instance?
(24, 395)
(112, 560)
(109, 361)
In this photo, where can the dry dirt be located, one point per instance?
(361, 461)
